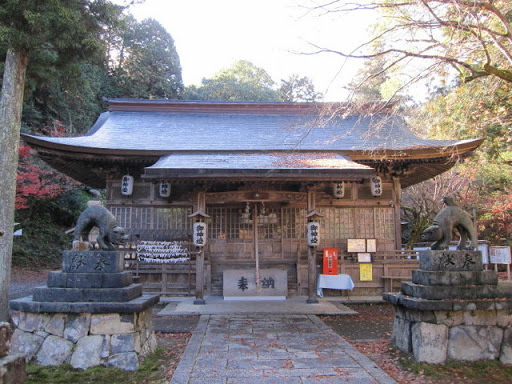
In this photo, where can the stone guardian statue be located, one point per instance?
(449, 218)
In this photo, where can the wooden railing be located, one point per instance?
(408, 254)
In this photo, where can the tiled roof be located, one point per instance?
(317, 165)
(214, 131)
(243, 139)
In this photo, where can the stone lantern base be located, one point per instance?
(89, 314)
(453, 310)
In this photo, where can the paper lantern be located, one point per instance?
(313, 233)
(376, 186)
(127, 185)
(338, 190)
(199, 234)
(164, 189)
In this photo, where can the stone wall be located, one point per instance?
(84, 339)
(466, 335)
(453, 310)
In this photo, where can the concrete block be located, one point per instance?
(31, 322)
(54, 351)
(87, 352)
(77, 326)
(429, 342)
(242, 283)
(127, 342)
(449, 318)
(504, 317)
(59, 279)
(45, 294)
(506, 347)
(112, 324)
(127, 361)
(25, 343)
(454, 277)
(473, 343)
(92, 261)
(480, 317)
(401, 335)
(56, 325)
(446, 260)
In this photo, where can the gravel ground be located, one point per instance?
(24, 280)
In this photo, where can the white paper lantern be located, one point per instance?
(164, 189)
(313, 233)
(127, 185)
(376, 186)
(338, 190)
(199, 234)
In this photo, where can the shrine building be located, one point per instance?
(254, 174)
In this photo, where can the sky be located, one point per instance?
(210, 35)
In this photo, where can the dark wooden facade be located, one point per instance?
(249, 156)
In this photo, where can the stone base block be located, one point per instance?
(59, 279)
(429, 342)
(12, 369)
(434, 336)
(464, 292)
(446, 260)
(241, 283)
(27, 304)
(84, 340)
(87, 294)
(450, 278)
(92, 261)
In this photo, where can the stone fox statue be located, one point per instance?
(101, 217)
(449, 218)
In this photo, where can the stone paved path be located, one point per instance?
(267, 349)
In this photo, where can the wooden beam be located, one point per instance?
(311, 256)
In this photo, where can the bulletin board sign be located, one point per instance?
(499, 255)
(365, 272)
(364, 257)
(356, 245)
(371, 245)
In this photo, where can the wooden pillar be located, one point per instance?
(201, 210)
(200, 278)
(311, 257)
(397, 194)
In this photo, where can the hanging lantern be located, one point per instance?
(127, 185)
(164, 189)
(199, 234)
(376, 186)
(338, 190)
(313, 233)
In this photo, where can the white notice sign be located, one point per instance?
(499, 255)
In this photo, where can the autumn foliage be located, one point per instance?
(36, 180)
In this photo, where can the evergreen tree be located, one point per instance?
(243, 81)
(60, 31)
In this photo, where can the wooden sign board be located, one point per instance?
(365, 272)
(364, 257)
(499, 255)
(371, 245)
(356, 245)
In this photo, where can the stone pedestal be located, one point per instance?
(454, 310)
(90, 313)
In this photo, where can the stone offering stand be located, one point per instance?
(89, 314)
(453, 310)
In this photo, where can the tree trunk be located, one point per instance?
(11, 104)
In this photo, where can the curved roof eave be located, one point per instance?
(457, 148)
